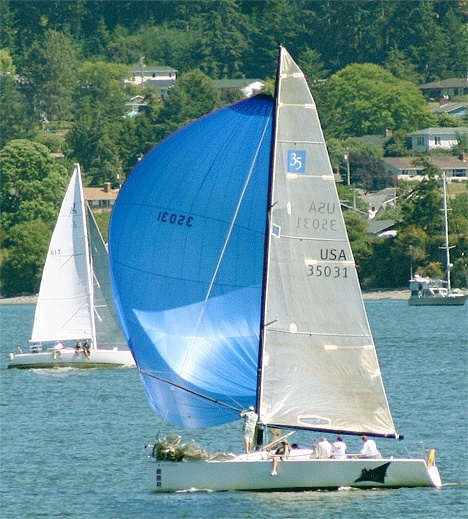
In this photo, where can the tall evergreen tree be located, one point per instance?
(225, 41)
(51, 75)
(16, 121)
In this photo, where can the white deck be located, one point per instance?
(99, 358)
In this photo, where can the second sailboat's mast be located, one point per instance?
(446, 244)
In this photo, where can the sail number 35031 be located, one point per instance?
(174, 218)
(327, 271)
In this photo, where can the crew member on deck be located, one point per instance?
(280, 453)
(369, 449)
(250, 421)
(339, 449)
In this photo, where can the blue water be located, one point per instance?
(72, 442)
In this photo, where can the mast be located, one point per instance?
(89, 264)
(446, 241)
(267, 234)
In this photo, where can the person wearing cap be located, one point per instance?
(339, 449)
(324, 449)
(369, 448)
(250, 421)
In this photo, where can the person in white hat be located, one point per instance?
(250, 421)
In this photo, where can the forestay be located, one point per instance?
(319, 364)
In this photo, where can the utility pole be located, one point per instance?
(142, 66)
(348, 176)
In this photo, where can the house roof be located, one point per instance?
(377, 227)
(100, 193)
(441, 162)
(446, 83)
(148, 69)
(441, 131)
(449, 108)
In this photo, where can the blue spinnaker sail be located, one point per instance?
(186, 244)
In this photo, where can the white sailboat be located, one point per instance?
(75, 301)
(427, 291)
(235, 284)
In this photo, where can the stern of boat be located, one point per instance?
(432, 469)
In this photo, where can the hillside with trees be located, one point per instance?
(63, 72)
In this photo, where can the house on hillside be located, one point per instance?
(402, 168)
(379, 228)
(437, 138)
(445, 88)
(134, 105)
(101, 197)
(159, 78)
(458, 110)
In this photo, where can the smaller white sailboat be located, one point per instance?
(427, 291)
(75, 323)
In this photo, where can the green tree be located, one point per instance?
(455, 39)
(31, 190)
(225, 41)
(32, 183)
(398, 145)
(51, 75)
(422, 37)
(421, 206)
(15, 120)
(398, 64)
(7, 26)
(353, 148)
(410, 250)
(191, 97)
(366, 99)
(369, 173)
(312, 66)
(23, 258)
(356, 226)
(100, 107)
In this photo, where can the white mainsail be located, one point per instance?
(64, 309)
(318, 359)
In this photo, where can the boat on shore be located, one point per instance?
(427, 291)
(75, 322)
(236, 286)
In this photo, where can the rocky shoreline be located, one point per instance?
(370, 295)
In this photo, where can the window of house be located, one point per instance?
(437, 141)
(420, 141)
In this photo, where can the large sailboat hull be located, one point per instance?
(98, 358)
(295, 473)
(452, 300)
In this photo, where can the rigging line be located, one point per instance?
(239, 203)
(226, 241)
(178, 386)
